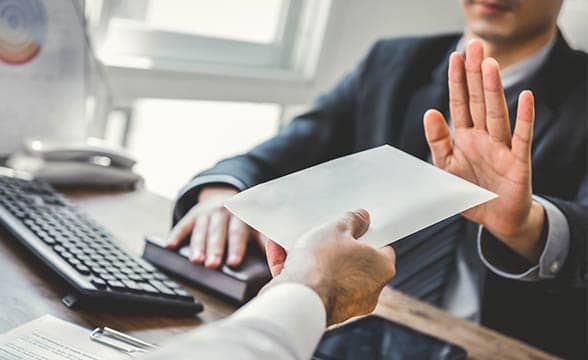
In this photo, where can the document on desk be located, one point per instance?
(49, 338)
(402, 193)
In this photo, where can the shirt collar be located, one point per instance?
(523, 69)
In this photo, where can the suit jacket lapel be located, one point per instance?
(554, 74)
(432, 94)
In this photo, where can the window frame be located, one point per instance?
(172, 51)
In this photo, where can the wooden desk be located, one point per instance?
(29, 290)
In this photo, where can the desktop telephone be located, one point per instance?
(89, 164)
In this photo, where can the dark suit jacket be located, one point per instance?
(383, 102)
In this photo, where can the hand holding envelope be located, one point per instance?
(403, 194)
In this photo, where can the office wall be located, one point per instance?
(574, 24)
(358, 24)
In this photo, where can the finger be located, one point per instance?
(458, 92)
(438, 137)
(217, 238)
(496, 109)
(523, 132)
(276, 256)
(238, 235)
(355, 222)
(198, 240)
(182, 229)
(473, 65)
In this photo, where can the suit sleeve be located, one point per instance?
(284, 322)
(574, 271)
(323, 133)
(564, 259)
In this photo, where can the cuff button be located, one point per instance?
(554, 267)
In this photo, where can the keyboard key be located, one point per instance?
(183, 294)
(73, 261)
(77, 251)
(146, 266)
(161, 287)
(171, 284)
(107, 277)
(135, 277)
(147, 276)
(130, 284)
(84, 258)
(160, 276)
(148, 288)
(104, 263)
(82, 269)
(115, 284)
(99, 283)
(98, 269)
(126, 270)
(121, 277)
(48, 240)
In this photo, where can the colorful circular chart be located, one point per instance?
(23, 27)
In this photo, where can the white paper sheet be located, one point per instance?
(403, 194)
(49, 338)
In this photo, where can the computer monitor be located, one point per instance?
(51, 85)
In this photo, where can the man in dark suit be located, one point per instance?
(521, 262)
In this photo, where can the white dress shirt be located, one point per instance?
(284, 322)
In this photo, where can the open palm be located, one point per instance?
(483, 150)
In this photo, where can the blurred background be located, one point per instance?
(181, 84)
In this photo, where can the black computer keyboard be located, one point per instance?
(103, 276)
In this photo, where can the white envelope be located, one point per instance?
(402, 193)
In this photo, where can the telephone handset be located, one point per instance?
(88, 164)
(93, 151)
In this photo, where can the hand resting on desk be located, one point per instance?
(213, 230)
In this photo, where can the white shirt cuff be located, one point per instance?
(295, 309)
(554, 253)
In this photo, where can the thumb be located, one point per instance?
(356, 222)
(438, 137)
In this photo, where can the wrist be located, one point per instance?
(216, 190)
(311, 281)
(528, 241)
